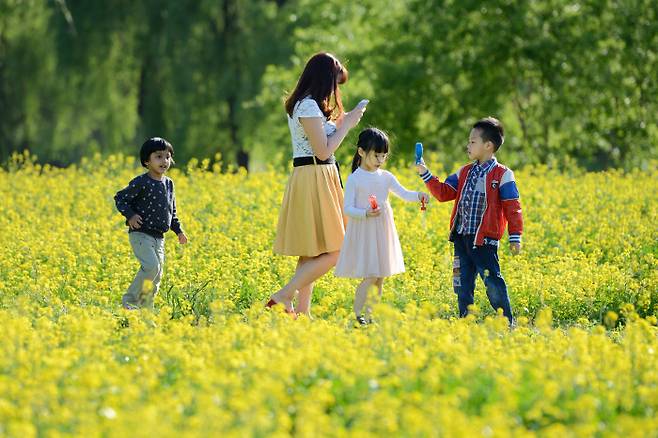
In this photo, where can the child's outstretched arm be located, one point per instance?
(511, 201)
(442, 191)
(401, 192)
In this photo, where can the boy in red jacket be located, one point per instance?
(486, 198)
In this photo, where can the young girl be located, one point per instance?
(371, 249)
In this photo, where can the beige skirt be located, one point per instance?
(311, 219)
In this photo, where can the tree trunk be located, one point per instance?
(231, 35)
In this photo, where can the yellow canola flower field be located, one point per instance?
(210, 361)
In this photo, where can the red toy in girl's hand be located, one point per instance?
(373, 202)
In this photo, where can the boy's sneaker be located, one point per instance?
(361, 320)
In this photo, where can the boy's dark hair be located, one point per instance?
(154, 144)
(491, 130)
(370, 139)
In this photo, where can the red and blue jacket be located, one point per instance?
(502, 201)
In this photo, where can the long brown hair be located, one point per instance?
(320, 79)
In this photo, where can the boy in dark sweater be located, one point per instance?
(149, 206)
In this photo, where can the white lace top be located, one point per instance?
(307, 107)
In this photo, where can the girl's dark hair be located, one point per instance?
(320, 79)
(370, 139)
(491, 130)
(154, 144)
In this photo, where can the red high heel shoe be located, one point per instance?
(271, 303)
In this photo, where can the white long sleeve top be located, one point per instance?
(361, 184)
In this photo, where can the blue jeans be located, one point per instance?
(468, 263)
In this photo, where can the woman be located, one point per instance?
(311, 221)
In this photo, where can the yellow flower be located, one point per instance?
(211, 361)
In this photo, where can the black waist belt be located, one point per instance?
(307, 161)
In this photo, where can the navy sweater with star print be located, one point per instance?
(154, 201)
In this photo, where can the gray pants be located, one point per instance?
(150, 253)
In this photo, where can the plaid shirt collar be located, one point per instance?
(484, 168)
